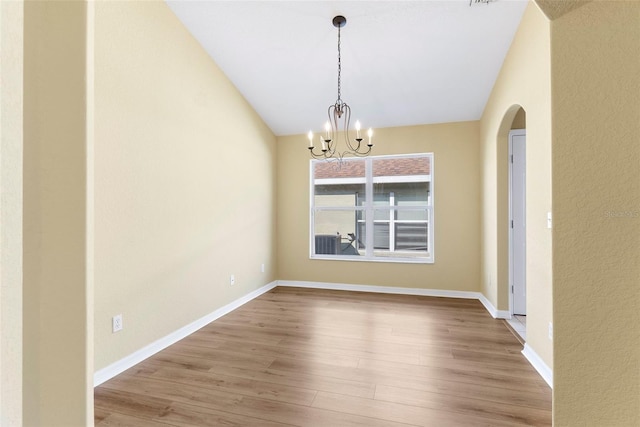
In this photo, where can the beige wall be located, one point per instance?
(596, 203)
(524, 81)
(11, 144)
(456, 200)
(57, 340)
(184, 181)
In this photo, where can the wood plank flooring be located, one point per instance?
(303, 357)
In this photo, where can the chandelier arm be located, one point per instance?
(347, 124)
(318, 156)
(355, 149)
(315, 155)
(326, 155)
(333, 120)
(357, 153)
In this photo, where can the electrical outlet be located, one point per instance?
(550, 330)
(116, 323)
(262, 268)
(232, 280)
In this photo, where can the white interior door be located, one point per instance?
(517, 247)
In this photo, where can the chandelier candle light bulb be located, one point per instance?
(310, 136)
(370, 134)
(358, 130)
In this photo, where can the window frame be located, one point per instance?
(370, 207)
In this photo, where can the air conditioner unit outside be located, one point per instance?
(327, 244)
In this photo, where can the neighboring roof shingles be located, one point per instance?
(381, 167)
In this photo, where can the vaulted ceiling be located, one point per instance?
(403, 62)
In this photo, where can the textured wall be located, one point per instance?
(184, 181)
(57, 340)
(596, 200)
(456, 202)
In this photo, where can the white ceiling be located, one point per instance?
(403, 62)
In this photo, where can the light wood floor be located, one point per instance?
(330, 358)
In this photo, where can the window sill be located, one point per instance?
(396, 260)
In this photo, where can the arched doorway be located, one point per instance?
(511, 152)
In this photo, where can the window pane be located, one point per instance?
(381, 235)
(382, 215)
(401, 193)
(344, 195)
(411, 193)
(361, 236)
(405, 235)
(402, 166)
(336, 232)
(335, 170)
(381, 197)
(411, 237)
(402, 181)
(339, 184)
(411, 215)
(335, 178)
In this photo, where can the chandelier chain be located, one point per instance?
(339, 66)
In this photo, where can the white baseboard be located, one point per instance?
(495, 313)
(536, 361)
(133, 359)
(380, 289)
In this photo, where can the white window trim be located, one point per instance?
(400, 178)
(329, 181)
(369, 208)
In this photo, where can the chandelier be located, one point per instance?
(338, 124)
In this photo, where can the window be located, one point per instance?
(374, 209)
